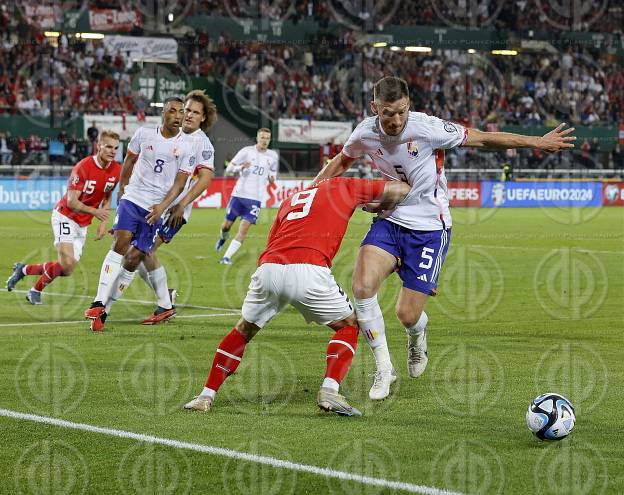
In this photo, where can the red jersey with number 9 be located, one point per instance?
(95, 184)
(310, 224)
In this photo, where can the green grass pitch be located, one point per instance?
(530, 301)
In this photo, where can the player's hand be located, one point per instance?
(155, 213)
(557, 140)
(245, 165)
(372, 207)
(102, 214)
(120, 193)
(176, 216)
(101, 231)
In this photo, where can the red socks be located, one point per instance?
(48, 271)
(34, 269)
(227, 358)
(340, 352)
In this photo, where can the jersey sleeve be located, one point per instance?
(365, 190)
(274, 166)
(445, 135)
(78, 176)
(134, 146)
(239, 157)
(353, 148)
(188, 161)
(205, 154)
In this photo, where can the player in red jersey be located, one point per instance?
(295, 269)
(89, 191)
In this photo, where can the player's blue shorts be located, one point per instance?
(166, 232)
(420, 253)
(131, 217)
(247, 209)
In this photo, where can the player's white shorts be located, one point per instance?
(309, 288)
(66, 230)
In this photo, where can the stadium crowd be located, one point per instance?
(328, 78)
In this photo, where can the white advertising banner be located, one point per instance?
(313, 131)
(124, 126)
(143, 48)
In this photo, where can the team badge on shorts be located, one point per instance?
(412, 149)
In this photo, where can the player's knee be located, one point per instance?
(247, 329)
(363, 289)
(68, 264)
(408, 316)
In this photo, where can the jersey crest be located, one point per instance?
(412, 149)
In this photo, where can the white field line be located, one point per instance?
(232, 454)
(135, 320)
(137, 301)
(535, 248)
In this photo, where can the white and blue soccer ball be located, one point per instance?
(550, 417)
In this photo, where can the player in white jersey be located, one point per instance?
(413, 239)
(200, 113)
(157, 165)
(257, 166)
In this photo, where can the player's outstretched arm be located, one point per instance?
(126, 172)
(156, 211)
(338, 165)
(74, 204)
(394, 192)
(204, 176)
(558, 139)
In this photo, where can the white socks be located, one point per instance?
(208, 392)
(144, 275)
(108, 275)
(373, 328)
(232, 248)
(331, 384)
(419, 327)
(123, 281)
(158, 281)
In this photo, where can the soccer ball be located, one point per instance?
(550, 417)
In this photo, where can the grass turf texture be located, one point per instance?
(530, 301)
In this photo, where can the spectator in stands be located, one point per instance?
(5, 151)
(92, 134)
(618, 157)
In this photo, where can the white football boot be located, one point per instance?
(381, 384)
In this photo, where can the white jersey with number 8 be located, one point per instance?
(159, 161)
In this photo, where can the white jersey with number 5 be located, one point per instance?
(415, 156)
(159, 161)
(253, 180)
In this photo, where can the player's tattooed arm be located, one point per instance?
(338, 165)
(394, 192)
(157, 210)
(126, 172)
(204, 176)
(78, 206)
(558, 139)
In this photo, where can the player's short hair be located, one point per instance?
(390, 89)
(263, 129)
(210, 109)
(108, 133)
(171, 99)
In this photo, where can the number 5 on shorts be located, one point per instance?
(428, 259)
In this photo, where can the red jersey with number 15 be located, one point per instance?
(94, 182)
(310, 224)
